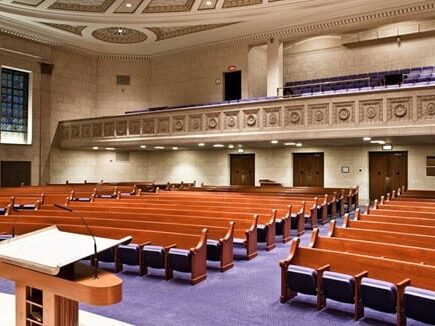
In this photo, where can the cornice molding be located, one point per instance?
(426, 9)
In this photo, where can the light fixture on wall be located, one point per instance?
(241, 150)
(387, 147)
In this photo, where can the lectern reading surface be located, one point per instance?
(34, 259)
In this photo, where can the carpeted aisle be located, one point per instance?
(248, 294)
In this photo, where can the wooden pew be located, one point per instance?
(406, 239)
(398, 218)
(397, 272)
(371, 248)
(390, 227)
(244, 230)
(196, 244)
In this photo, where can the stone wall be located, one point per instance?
(213, 167)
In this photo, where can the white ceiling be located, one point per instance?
(151, 18)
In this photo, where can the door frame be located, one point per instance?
(308, 153)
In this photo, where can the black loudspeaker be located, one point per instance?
(46, 68)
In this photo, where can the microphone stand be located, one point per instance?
(17, 216)
(95, 260)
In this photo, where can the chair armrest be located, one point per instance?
(361, 275)
(143, 244)
(284, 263)
(401, 285)
(172, 245)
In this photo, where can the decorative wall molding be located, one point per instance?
(288, 117)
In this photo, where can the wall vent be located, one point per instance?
(123, 80)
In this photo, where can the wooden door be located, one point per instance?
(308, 169)
(387, 172)
(242, 169)
(13, 173)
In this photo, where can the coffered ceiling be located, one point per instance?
(145, 27)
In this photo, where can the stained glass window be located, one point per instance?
(14, 100)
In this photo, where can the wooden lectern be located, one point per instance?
(50, 282)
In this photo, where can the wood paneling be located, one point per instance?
(308, 169)
(242, 169)
(387, 172)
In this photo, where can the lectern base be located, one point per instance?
(34, 307)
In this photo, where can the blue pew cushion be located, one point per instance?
(378, 295)
(302, 279)
(2, 211)
(213, 250)
(278, 226)
(179, 260)
(106, 256)
(128, 254)
(154, 256)
(338, 286)
(5, 236)
(106, 196)
(28, 206)
(261, 233)
(239, 241)
(419, 304)
(82, 199)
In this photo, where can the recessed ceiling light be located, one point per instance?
(380, 142)
(367, 138)
(143, 146)
(289, 144)
(109, 148)
(175, 148)
(95, 148)
(120, 31)
(298, 144)
(230, 146)
(241, 150)
(159, 147)
(240, 146)
(208, 3)
(218, 145)
(387, 147)
(201, 144)
(128, 5)
(274, 142)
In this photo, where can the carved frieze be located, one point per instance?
(97, 130)
(272, 117)
(251, 119)
(318, 114)
(179, 124)
(370, 111)
(212, 121)
(65, 132)
(399, 109)
(109, 129)
(231, 120)
(121, 128)
(163, 126)
(75, 131)
(426, 107)
(195, 123)
(294, 115)
(86, 130)
(134, 127)
(343, 112)
(148, 126)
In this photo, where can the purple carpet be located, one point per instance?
(248, 294)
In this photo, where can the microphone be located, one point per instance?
(95, 260)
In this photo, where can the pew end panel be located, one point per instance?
(199, 257)
(226, 249)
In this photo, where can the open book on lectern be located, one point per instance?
(49, 249)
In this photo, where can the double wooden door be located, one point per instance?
(308, 169)
(387, 172)
(242, 169)
(15, 173)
